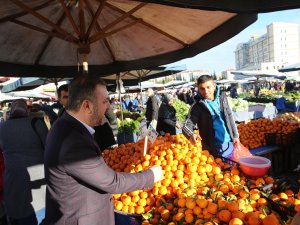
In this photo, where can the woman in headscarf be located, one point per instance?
(22, 140)
(167, 121)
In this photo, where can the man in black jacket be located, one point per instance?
(152, 107)
(214, 119)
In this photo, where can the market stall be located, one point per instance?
(245, 111)
(197, 187)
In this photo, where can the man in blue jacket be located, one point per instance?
(214, 119)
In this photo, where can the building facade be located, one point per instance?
(280, 46)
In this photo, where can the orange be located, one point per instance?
(233, 206)
(224, 215)
(189, 218)
(270, 220)
(235, 178)
(126, 200)
(118, 205)
(253, 220)
(238, 214)
(283, 196)
(178, 216)
(139, 210)
(212, 208)
(190, 203)
(181, 202)
(165, 214)
(236, 221)
(202, 203)
(262, 201)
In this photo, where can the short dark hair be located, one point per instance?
(64, 87)
(204, 78)
(83, 88)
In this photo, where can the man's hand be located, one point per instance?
(236, 140)
(178, 125)
(157, 172)
(194, 138)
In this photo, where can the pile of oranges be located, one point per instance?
(252, 133)
(196, 188)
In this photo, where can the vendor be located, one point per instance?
(214, 119)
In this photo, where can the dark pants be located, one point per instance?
(29, 220)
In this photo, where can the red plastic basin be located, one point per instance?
(254, 166)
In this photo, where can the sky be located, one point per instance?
(222, 57)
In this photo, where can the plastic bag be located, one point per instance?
(240, 150)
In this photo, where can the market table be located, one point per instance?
(255, 112)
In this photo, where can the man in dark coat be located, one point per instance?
(79, 182)
(152, 107)
(63, 98)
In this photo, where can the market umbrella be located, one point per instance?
(50, 38)
(28, 83)
(260, 73)
(246, 6)
(28, 94)
(290, 68)
(134, 77)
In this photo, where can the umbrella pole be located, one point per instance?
(140, 81)
(120, 100)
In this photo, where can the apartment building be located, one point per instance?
(280, 46)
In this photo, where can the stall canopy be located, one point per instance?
(260, 73)
(135, 77)
(28, 83)
(290, 68)
(145, 85)
(29, 94)
(50, 38)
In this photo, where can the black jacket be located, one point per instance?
(166, 119)
(200, 115)
(152, 107)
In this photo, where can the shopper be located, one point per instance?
(152, 107)
(22, 140)
(79, 181)
(214, 119)
(63, 98)
(167, 122)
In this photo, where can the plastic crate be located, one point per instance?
(282, 138)
(122, 218)
(280, 185)
(284, 211)
(271, 138)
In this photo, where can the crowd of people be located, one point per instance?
(56, 163)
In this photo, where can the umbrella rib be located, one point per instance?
(147, 24)
(58, 35)
(46, 44)
(45, 20)
(17, 15)
(81, 21)
(99, 36)
(125, 15)
(95, 17)
(70, 18)
(132, 75)
(99, 29)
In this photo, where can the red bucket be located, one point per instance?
(254, 166)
